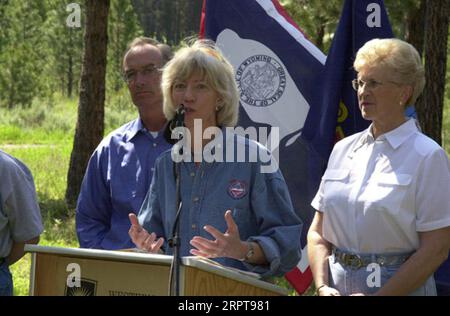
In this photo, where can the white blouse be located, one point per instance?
(376, 195)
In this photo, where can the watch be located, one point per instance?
(250, 252)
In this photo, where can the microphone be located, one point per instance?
(177, 121)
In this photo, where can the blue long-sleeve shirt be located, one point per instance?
(116, 181)
(260, 204)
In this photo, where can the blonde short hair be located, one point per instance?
(398, 56)
(203, 57)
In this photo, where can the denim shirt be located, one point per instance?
(260, 205)
(116, 181)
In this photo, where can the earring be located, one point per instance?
(218, 105)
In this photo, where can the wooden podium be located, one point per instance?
(123, 273)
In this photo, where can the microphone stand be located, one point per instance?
(175, 242)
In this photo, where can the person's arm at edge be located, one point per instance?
(17, 250)
(319, 249)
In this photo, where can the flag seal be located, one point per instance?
(261, 80)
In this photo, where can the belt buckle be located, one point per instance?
(353, 261)
(382, 261)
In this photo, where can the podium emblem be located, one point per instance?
(87, 288)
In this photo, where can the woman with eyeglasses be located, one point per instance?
(382, 225)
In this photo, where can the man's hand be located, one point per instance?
(141, 238)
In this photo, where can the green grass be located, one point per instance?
(53, 122)
(44, 122)
(10, 134)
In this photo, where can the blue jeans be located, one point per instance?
(349, 280)
(6, 281)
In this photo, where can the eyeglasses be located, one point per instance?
(147, 71)
(370, 84)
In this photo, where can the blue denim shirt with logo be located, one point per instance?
(260, 204)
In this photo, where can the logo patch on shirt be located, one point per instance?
(237, 189)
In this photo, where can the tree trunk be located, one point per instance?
(320, 35)
(415, 26)
(167, 21)
(436, 21)
(178, 23)
(90, 124)
(145, 10)
(70, 65)
(415, 35)
(196, 16)
(70, 76)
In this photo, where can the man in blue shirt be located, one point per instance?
(121, 168)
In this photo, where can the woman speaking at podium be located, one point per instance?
(231, 210)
